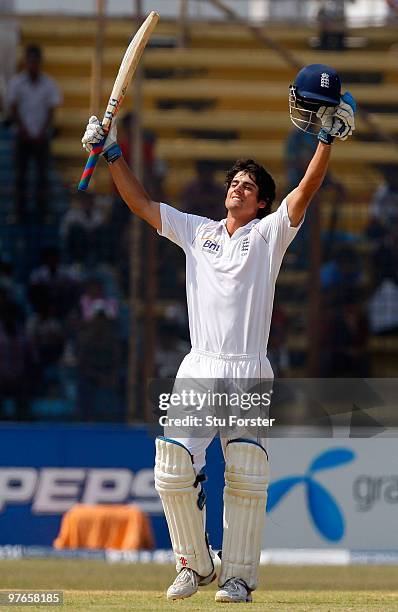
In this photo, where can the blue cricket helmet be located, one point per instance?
(318, 83)
(315, 85)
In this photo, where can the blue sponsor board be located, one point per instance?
(46, 469)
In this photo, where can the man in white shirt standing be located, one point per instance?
(31, 98)
(231, 269)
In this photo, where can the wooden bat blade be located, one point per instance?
(127, 68)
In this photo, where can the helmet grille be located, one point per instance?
(303, 112)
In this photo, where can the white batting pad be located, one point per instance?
(245, 498)
(183, 505)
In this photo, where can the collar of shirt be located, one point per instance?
(27, 79)
(241, 230)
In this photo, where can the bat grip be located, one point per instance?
(90, 165)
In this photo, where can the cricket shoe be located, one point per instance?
(234, 591)
(185, 584)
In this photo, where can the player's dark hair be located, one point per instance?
(263, 180)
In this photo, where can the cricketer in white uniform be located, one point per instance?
(231, 269)
(230, 283)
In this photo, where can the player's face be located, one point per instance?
(242, 196)
(33, 65)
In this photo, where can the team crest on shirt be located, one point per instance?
(244, 248)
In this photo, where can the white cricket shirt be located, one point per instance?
(33, 100)
(230, 280)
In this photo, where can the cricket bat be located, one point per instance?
(127, 68)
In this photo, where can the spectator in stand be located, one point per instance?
(204, 196)
(53, 283)
(170, 271)
(393, 8)
(99, 364)
(171, 349)
(278, 352)
(17, 361)
(80, 229)
(383, 208)
(383, 307)
(32, 97)
(344, 321)
(94, 298)
(332, 25)
(46, 334)
(344, 336)
(16, 291)
(385, 258)
(341, 274)
(383, 303)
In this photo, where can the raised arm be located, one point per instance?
(127, 184)
(299, 199)
(337, 122)
(134, 194)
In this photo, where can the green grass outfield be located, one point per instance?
(95, 585)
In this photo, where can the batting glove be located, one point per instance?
(95, 133)
(325, 114)
(343, 118)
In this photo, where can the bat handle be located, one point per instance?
(90, 166)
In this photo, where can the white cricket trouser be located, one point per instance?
(201, 368)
